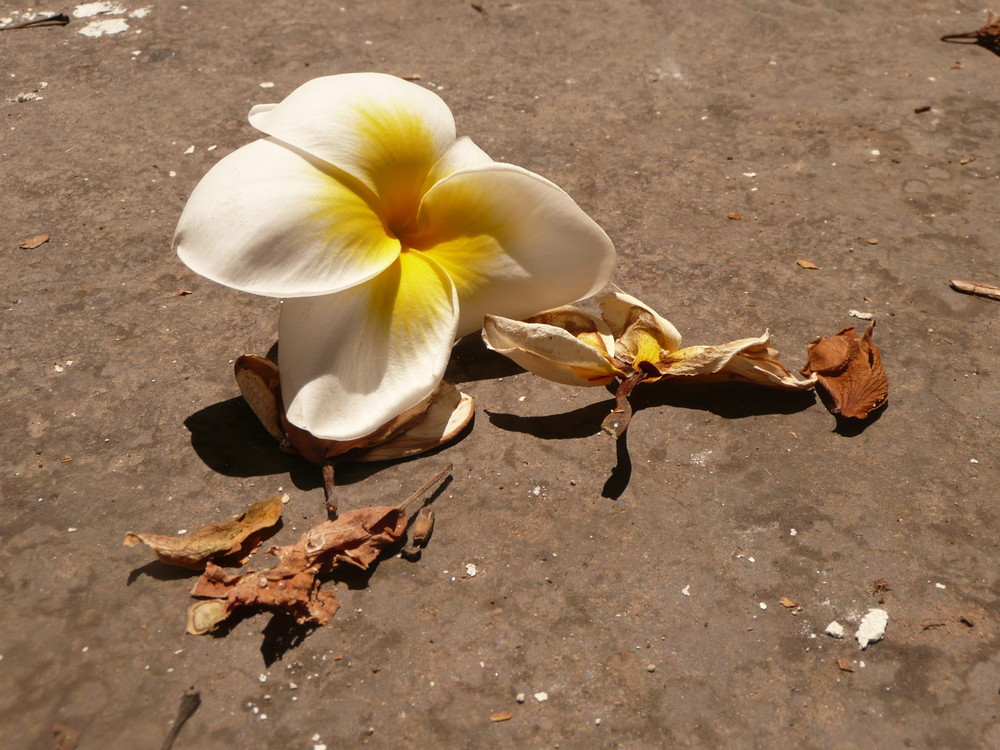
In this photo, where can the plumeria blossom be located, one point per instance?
(387, 238)
(631, 343)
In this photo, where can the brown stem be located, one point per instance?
(426, 486)
(617, 421)
(331, 502)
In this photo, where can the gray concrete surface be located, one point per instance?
(119, 410)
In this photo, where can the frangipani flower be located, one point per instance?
(630, 343)
(386, 237)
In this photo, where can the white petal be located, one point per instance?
(270, 220)
(385, 131)
(512, 242)
(352, 361)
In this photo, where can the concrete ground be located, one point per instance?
(640, 590)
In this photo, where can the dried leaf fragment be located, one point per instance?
(807, 264)
(734, 216)
(787, 603)
(850, 371)
(32, 242)
(844, 664)
(501, 716)
(239, 534)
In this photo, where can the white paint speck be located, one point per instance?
(835, 630)
(104, 27)
(940, 586)
(262, 677)
(71, 529)
(470, 570)
(749, 174)
(189, 150)
(860, 315)
(973, 461)
(266, 84)
(537, 490)
(59, 368)
(762, 605)
(541, 697)
(792, 532)
(140, 12)
(171, 173)
(875, 152)
(212, 148)
(686, 591)
(872, 627)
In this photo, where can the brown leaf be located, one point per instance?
(501, 716)
(735, 216)
(850, 371)
(807, 264)
(787, 603)
(845, 664)
(32, 242)
(239, 534)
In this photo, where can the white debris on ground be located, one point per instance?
(860, 315)
(541, 697)
(872, 627)
(835, 630)
(471, 570)
(106, 26)
(686, 591)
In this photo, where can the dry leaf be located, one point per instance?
(873, 240)
(356, 538)
(239, 534)
(501, 716)
(32, 242)
(845, 664)
(851, 372)
(787, 603)
(735, 216)
(807, 264)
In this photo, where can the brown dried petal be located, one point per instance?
(851, 372)
(215, 540)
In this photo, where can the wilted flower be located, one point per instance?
(387, 238)
(630, 343)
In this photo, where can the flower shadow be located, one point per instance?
(727, 400)
(230, 439)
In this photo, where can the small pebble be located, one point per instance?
(541, 697)
(520, 698)
(650, 667)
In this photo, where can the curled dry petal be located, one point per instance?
(640, 332)
(850, 370)
(750, 360)
(566, 345)
(436, 420)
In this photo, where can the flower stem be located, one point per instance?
(617, 421)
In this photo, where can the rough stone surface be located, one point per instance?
(660, 119)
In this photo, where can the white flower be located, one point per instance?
(387, 238)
